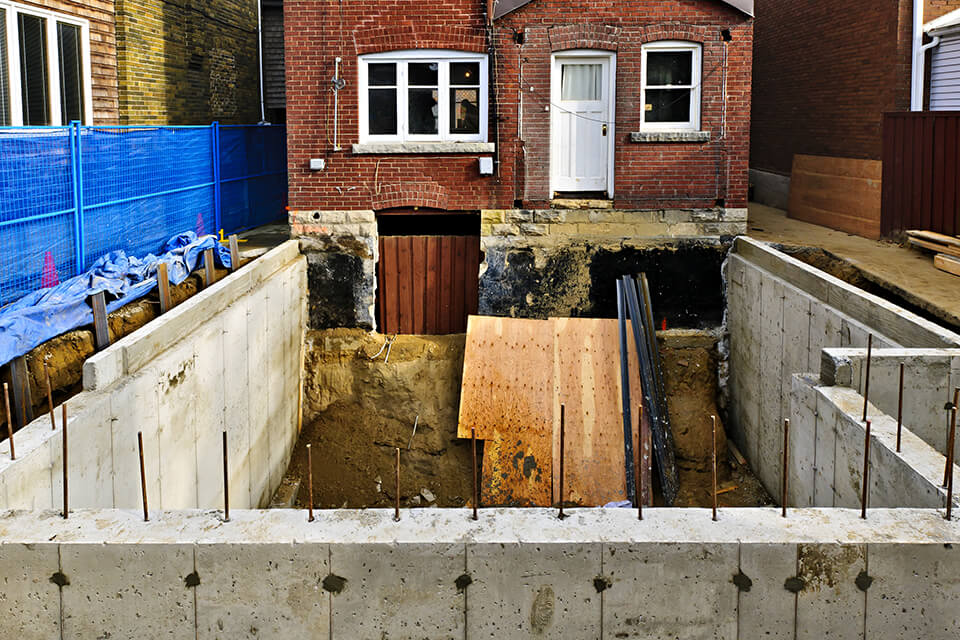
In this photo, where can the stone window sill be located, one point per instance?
(670, 136)
(426, 148)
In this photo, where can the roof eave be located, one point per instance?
(503, 7)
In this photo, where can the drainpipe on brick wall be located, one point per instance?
(263, 109)
(917, 71)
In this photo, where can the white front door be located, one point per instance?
(582, 123)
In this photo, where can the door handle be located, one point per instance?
(604, 129)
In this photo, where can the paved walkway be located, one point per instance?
(908, 272)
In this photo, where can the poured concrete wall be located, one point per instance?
(781, 314)
(226, 359)
(513, 574)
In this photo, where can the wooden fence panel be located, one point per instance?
(427, 284)
(921, 172)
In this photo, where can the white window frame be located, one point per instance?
(693, 124)
(53, 61)
(402, 59)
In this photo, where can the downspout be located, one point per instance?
(917, 68)
(494, 104)
(263, 109)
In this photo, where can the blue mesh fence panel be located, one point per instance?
(139, 186)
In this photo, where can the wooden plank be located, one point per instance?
(101, 330)
(950, 264)
(459, 313)
(446, 283)
(934, 246)
(432, 294)
(419, 276)
(21, 396)
(840, 193)
(932, 236)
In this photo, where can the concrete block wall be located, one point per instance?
(227, 359)
(781, 314)
(514, 573)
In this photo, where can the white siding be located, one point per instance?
(945, 75)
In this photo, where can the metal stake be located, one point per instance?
(638, 470)
(950, 457)
(951, 437)
(226, 482)
(309, 479)
(396, 507)
(476, 491)
(786, 458)
(6, 400)
(866, 473)
(900, 410)
(562, 411)
(866, 384)
(46, 375)
(714, 420)
(143, 477)
(63, 435)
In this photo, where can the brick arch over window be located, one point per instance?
(584, 36)
(676, 31)
(411, 194)
(398, 37)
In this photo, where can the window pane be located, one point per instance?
(71, 74)
(668, 105)
(465, 73)
(382, 75)
(423, 74)
(423, 111)
(581, 82)
(382, 119)
(665, 68)
(465, 111)
(33, 69)
(4, 80)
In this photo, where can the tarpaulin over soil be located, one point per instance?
(47, 313)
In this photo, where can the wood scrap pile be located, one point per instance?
(517, 373)
(947, 249)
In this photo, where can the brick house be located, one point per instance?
(543, 131)
(128, 62)
(816, 149)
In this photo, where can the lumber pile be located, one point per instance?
(947, 249)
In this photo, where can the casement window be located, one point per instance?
(423, 96)
(671, 86)
(44, 67)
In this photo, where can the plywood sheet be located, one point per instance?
(840, 193)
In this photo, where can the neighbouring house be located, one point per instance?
(944, 62)
(509, 156)
(129, 62)
(825, 73)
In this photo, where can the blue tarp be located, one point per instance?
(45, 314)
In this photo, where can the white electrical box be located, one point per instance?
(486, 166)
(318, 164)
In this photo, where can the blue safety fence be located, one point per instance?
(69, 195)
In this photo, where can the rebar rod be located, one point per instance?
(6, 401)
(396, 507)
(900, 411)
(53, 418)
(866, 473)
(63, 438)
(951, 434)
(638, 470)
(714, 421)
(143, 477)
(866, 384)
(950, 460)
(476, 490)
(226, 482)
(309, 480)
(562, 411)
(786, 458)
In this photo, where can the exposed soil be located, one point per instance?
(66, 353)
(359, 409)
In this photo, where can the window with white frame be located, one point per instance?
(44, 67)
(671, 86)
(423, 96)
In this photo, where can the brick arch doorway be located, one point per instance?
(428, 272)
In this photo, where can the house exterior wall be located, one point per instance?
(944, 74)
(188, 61)
(103, 51)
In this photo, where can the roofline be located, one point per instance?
(503, 7)
(944, 23)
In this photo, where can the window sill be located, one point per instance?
(670, 136)
(387, 148)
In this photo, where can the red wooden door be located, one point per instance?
(427, 284)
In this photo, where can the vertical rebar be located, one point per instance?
(309, 482)
(786, 464)
(866, 384)
(396, 506)
(476, 489)
(951, 438)
(63, 438)
(46, 375)
(226, 482)
(638, 470)
(714, 421)
(950, 460)
(562, 411)
(6, 401)
(143, 477)
(866, 473)
(900, 410)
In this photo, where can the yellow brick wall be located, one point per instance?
(188, 61)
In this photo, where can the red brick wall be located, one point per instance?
(825, 71)
(647, 175)
(936, 8)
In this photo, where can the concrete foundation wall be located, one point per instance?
(512, 574)
(769, 188)
(227, 359)
(781, 313)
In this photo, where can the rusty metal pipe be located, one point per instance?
(143, 477)
(951, 435)
(866, 473)
(396, 507)
(714, 420)
(866, 384)
(476, 490)
(309, 481)
(562, 411)
(226, 482)
(6, 401)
